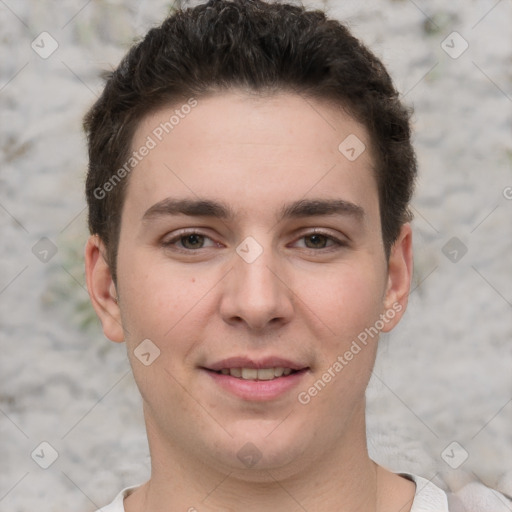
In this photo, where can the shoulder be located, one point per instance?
(476, 497)
(117, 505)
(472, 497)
(428, 497)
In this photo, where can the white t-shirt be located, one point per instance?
(428, 498)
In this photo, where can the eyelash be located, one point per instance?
(177, 238)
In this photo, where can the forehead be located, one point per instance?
(247, 149)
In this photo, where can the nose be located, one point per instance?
(256, 293)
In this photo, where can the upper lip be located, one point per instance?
(246, 362)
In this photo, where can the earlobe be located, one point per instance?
(399, 276)
(102, 289)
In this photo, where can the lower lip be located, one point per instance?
(257, 390)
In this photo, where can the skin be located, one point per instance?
(304, 298)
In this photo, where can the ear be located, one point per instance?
(102, 289)
(399, 277)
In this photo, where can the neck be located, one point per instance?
(339, 477)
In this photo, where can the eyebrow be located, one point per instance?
(215, 209)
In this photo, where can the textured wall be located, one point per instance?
(443, 375)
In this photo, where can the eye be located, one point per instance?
(317, 241)
(189, 241)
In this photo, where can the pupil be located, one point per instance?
(192, 241)
(317, 240)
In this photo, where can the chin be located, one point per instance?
(257, 449)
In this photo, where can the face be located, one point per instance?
(251, 257)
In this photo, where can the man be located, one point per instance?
(248, 188)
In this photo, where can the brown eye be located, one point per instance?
(189, 241)
(316, 241)
(320, 242)
(192, 241)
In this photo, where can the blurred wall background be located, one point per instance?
(443, 376)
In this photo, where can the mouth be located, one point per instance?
(258, 373)
(261, 380)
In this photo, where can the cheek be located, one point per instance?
(349, 305)
(165, 303)
(153, 296)
(159, 304)
(347, 300)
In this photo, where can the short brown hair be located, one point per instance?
(261, 47)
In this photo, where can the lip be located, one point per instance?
(256, 390)
(246, 362)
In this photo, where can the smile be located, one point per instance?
(256, 373)
(258, 384)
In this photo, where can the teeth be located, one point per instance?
(256, 374)
(265, 374)
(235, 372)
(278, 372)
(249, 373)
